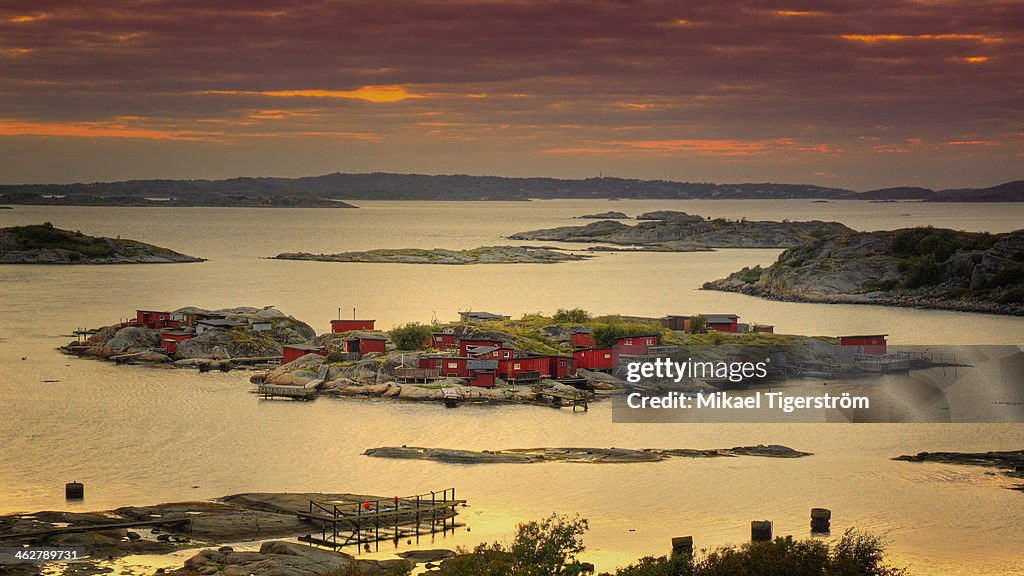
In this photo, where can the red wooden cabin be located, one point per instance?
(155, 319)
(636, 344)
(364, 344)
(456, 366)
(509, 367)
(482, 378)
(722, 322)
(350, 325)
(581, 338)
(443, 341)
(465, 343)
(293, 352)
(603, 359)
(872, 344)
(170, 339)
(561, 366)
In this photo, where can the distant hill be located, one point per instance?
(386, 186)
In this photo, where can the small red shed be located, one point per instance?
(722, 322)
(561, 366)
(170, 339)
(581, 338)
(350, 325)
(636, 344)
(764, 328)
(293, 352)
(603, 359)
(466, 343)
(155, 319)
(482, 378)
(872, 344)
(509, 367)
(456, 366)
(365, 344)
(443, 341)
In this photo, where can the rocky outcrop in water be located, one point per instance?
(917, 267)
(1010, 461)
(586, 455)
(44, 244)
(610, 215)
(484, 255)
(685, 232)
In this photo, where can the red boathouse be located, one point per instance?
(872, 344)
(293, 352)
(722, 322)
(603, 359)
(365, 344)
(482, 378)
(169, 339)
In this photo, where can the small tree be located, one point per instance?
(606, 334)
(574, 316)
(411, 336)
(698, 324)
(548, 547)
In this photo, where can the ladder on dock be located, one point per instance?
(345, 522)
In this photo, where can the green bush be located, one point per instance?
(920, 271)
(574, 316)
(411, 336)
(545, 548)
(856, 554)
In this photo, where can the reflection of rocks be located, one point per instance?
(588, 455)
(283, 559)
(1011, 461)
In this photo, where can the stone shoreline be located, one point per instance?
(739, 287)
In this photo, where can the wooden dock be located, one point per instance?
(345, 522)
(577, 399)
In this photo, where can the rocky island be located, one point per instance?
(679, 231)
(224, 337)
(1011, 462)
(610, 215)
(580, 455)
(45, 244)
(914, 267)
(483, 255)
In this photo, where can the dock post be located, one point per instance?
(761, 531)
(821, 520)
(682, 545)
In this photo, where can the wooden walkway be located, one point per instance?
(370, 521)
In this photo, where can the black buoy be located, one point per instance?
(74, 491)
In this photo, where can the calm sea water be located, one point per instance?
(139, 435)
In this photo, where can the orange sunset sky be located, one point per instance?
(850, 94)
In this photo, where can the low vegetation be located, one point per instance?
(552, 547)
(411, 336)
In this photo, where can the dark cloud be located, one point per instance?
(652, 88)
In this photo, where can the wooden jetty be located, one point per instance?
(578, 399)
(304, 392)
(345, 522)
